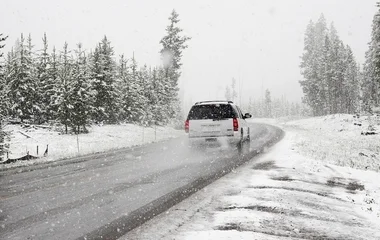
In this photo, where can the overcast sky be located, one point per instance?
(257, 42)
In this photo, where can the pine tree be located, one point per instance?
(145, 82)
(227, 93)
(151, 98)
(161, 97)
(268, 104)
(4, 103)
(22, 82)
(293, 110)
(132, 96)
(8, 73)
(351, 83)
(329, 76)
(63, 89)
(105, 84)
(81, 94)
(154, 97)
(371, 76)
(333, 64)
(328, 72)
(135, 92)
(308, 68)
(172, 46)
(233, 90)
(123, 76)
(35, 83)
(321, 83)
(54, 82)
(46, 81)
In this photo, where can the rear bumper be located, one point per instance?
(231, 140)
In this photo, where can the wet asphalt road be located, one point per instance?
(103, 196)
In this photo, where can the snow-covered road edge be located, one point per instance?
(279, 195)
(101, 139)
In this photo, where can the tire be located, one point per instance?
(248, 141)
(240, 143)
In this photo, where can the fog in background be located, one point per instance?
(259, 43)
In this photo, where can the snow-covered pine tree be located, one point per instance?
(332, 64)
(316, 67)
(368, 86)
(285, 106)
(342, 82)
(96, 78)
(327, 58)
(36, 93)
(103, 74)
(150, 92)
(2, 45)
(321, 85)
(227, 93)
(268, 104)
(170, 97)
(172, 46)
(81, 94)
(324, 66)
(8, 74)
(46, 82)
(123, 77)
(308, 68)
(135, 110)
(145, 82)
(22, 82)
(52, 110)
(154, 97)
(293, 109)
(132, 94)
(371, 69)
(277, 109)
(351, 85)
(63, 88)
(161, 97)
(4, 102)
(257, 108)
(233, 90)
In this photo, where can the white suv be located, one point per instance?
(220, 121)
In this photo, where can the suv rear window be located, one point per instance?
(211, 111)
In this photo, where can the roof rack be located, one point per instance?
(228, 101)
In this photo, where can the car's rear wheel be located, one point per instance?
(241, 142)
(248, 141)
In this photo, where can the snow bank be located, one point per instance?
(338, 139)
(99, 139)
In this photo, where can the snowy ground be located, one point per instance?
(296, 190)
(337, 139)
(100, 139)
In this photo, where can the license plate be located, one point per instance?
(210, 139)
(210, 129)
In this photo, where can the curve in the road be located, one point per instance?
(103, 196)
(124, 224)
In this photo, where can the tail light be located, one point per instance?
(187, 126)
(236, 124)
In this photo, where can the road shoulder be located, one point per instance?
(280, 194)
